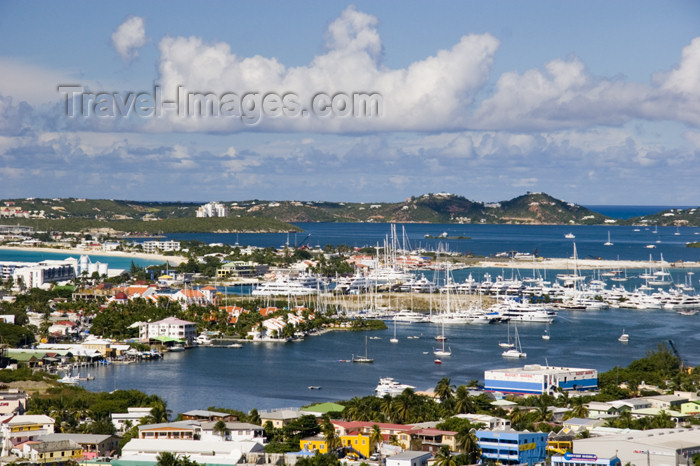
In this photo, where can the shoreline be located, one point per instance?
(586, 264)
(173, 260)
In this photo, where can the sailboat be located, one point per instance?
(624, 338)
(508, 344)
(545, 335)
(394, 340)
(608, 243)
(363, 359)
(442, 351)
(516, 352)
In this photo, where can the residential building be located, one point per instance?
(131, 418)
(243, 269)
(144, 451)
(13, 401)
(314, 444)
(160, 246)
(92, 445)
(279, 418)
(409, 458)
(537, 379)
(512, 447)
(16, 429)
(170, 327)
(666, 401)
(206, 415)
(236, 432)
(57, 452)
(489, 422)
(181, 430)
(212, 209)
(358, 443)
(433, 439)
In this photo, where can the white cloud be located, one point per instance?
(429, 94)
(129, 37)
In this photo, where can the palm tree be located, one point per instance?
(386, 406)
(333, 442)
(376, 438)
(166, 458)
(222, 429)
(578, 408)
(467, 443)
(444, 457)
(463, 401)
(443, 389)
(254, 417)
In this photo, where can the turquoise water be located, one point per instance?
(115, 262)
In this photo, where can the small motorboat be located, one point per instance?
(624, 338)
(438, 361)
(314, 387)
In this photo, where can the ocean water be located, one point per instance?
(267, 375)
(115, 262)
(485, 240)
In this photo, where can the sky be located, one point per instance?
(594, 102)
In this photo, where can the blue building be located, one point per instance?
(512, 447)
(578, 459)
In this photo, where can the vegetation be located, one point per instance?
(256, 215)
(77, 410)
(287, 438)
(172, 225)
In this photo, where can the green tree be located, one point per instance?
(222, 429)
(444, 390)
(444, 457)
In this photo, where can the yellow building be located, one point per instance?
(60, 451)
(358, 442)
(314, 444)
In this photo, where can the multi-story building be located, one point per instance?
(536, 379)
(161, 246)
(171, 327)
(212, 209)
(512, 447)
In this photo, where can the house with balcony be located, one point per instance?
(22, 428)
(170, 327)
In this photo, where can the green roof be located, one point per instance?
(325, 408)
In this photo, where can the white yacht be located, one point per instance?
(389, 386)
(285, 285)
(409, 316)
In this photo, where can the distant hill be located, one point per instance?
(670, 217)
(260, 215)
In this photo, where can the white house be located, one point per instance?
(203, 452)
(171, 327)
(237, 432)
(20, 428)
(132, 417)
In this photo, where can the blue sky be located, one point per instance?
(595, 102)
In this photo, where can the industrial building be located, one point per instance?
(655, 447)
(534, 379)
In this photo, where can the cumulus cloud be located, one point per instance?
(429, 94)
(129, 37)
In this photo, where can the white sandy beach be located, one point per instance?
(173, 260)
(567, 263)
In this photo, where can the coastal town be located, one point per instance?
(64, 318)
(460, 233)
